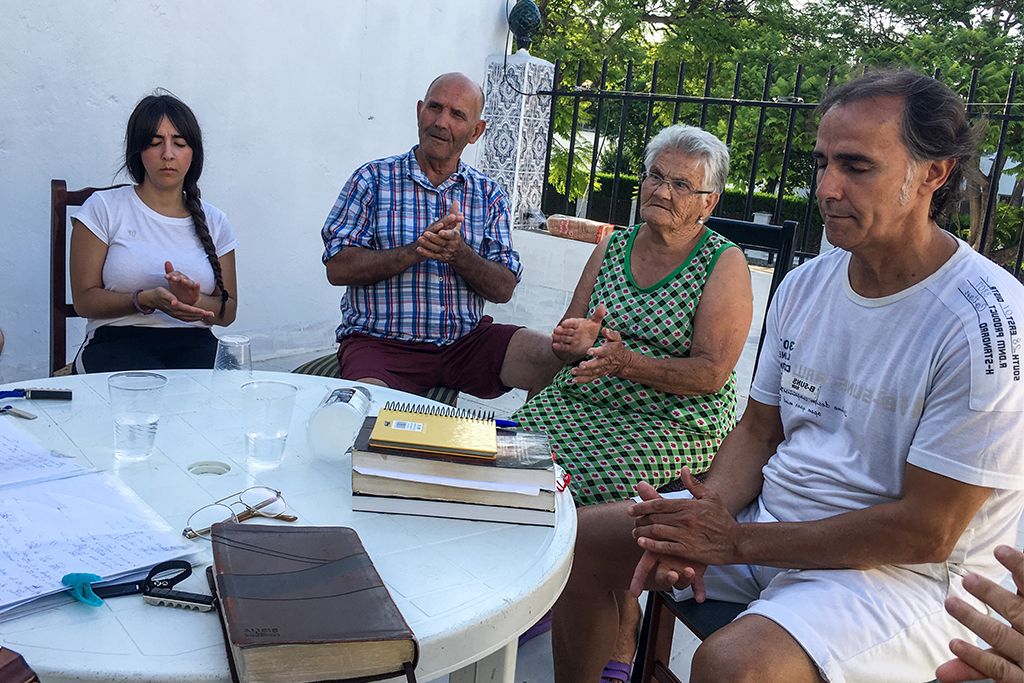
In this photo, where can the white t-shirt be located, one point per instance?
(930, 376)
(139, 240)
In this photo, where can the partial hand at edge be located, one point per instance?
(1004, 661)
(663, 572)
(181, 285)
(607, 360)
(573, 337)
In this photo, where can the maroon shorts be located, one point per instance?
(471, 364)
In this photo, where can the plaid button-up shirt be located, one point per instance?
(387, 204)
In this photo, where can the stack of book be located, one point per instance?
(448, 463)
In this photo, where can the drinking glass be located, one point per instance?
(135, 403)
(267, 408)
(233, 365)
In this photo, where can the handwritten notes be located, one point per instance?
(23, 460)
(57, 517)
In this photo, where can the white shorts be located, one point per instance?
(885, 624)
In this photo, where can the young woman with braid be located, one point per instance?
(152, 265)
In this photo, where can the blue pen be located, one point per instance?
(506, 424)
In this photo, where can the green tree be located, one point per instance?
(951, 36)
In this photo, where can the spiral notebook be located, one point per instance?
(435, 430)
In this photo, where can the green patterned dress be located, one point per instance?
(613, 433)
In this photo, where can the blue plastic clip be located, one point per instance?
(81, 587)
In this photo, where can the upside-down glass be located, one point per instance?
(333, 425)
(233, 365)
(255, 501)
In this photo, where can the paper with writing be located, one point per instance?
(22, 460)
(58, 517)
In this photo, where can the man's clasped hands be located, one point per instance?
(442, 240)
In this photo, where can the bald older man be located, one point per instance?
(421, 241)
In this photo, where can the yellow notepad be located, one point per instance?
(433, 429)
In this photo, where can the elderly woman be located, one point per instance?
(652, 334)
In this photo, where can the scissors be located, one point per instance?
(156, 588)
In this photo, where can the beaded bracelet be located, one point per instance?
(138, 306)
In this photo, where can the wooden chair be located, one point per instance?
(655, 644)
(327, 366)
(60, 309)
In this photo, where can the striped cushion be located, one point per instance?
(327, 366)
(442, 395)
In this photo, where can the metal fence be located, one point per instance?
(770, 137)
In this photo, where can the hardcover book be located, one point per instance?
(303, 604)
(396, 484)
(13, 668)
(452, 510)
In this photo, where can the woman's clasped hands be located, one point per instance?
(178, 299)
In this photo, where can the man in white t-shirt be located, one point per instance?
(881, 456)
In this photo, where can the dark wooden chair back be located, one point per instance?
(60, 309)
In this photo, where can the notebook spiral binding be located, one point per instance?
(446, 411)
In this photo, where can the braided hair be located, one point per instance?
(142, 126)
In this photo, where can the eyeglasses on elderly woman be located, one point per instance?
(678, 188)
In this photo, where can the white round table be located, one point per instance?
(468, 589)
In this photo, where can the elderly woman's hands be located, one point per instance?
(573, 338)
(607, 360)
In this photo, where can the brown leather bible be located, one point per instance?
(303, 604)
(13, 668)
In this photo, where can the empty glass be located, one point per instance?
(333, 426)
(233, 365)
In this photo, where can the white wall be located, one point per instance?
(551, 270)
(292, 97)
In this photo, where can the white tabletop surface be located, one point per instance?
(467, 589)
